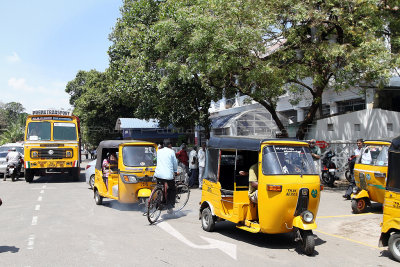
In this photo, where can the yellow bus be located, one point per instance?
(52, 144)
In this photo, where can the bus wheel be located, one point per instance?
(394, 246)
(359, 205)
(29, 175)
(76, 174)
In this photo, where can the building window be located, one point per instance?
(357, 127)
(351, 105)
(389, 127)
(330, 127)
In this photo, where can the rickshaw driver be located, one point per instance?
(253, 182)
(167, 166)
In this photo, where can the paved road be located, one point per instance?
(55, 222)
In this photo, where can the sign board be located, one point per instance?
(322, 144)
(51, 112)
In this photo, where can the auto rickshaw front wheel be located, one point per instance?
(97, 198)
(359, 205)
(207, 220)
(308, 242)
(394, 246)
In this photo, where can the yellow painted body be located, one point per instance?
(275, 211)
(126, 192)
(373, 187)
(391, 212)
(37, 146)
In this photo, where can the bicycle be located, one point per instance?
(157, 199)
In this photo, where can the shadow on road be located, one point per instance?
(59, 178)
(12, 249)
(268, 241)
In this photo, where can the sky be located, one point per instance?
(43, 44)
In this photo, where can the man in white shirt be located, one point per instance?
(193, 166)
(167, 166)
(14, 157)
(202, 163)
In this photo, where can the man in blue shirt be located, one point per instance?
(167, 166)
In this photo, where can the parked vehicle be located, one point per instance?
(328, 173)
(390, 235)
(288, 187)
(370, 176)
(89, 173)
(349, 168)
(131, 180)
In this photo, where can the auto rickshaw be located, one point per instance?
(370, 176)
(131, 180)
(288, 187)
(390, 235)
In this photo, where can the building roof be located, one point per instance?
(133, 123)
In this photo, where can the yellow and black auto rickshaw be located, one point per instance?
(370, 175)
(390, 235)
(130, 178)
(288, 187)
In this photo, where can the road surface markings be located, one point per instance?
(348, 239)
(228, 248)
(31, 241)
(37, 207)
(41, 191)
(40, 198)
(34, 220)
(347, 215)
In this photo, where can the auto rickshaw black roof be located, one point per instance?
(107, 144)
(242, 143)
(393, 176)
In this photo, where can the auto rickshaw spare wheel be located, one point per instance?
(394, 246)
(359, 205)
(207, 220)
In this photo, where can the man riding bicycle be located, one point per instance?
(167, 166)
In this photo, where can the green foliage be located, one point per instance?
(14, 132)
(12, 122)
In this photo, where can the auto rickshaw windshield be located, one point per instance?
(139, 156)
(374, 155)
(287, 160)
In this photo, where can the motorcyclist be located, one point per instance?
(14, 157)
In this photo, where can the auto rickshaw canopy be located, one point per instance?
(393, 176)
(112, 144)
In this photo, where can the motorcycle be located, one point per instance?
(328, 169)
(13, 171)
(349, 167)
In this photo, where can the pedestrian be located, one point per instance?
(316, 155)
(202, 163)
(357, 154)
(193, 166)
(167, 166)
(183, 158)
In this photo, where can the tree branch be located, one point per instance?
(304, 85)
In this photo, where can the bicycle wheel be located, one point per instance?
(182, 196)
(154, 205)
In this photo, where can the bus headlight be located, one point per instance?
(129, 179)
(34, 154)
(307, 216)
(68, 153)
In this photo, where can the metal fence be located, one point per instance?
(343, 150)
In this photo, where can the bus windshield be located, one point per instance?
(287, 160)
(38, 131)
(139, 156)
(64, 131)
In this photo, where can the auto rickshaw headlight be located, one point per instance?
(356, 190)
(130, 179)
(307, 216)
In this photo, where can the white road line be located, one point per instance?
(39, 198)
(44, 186)
(31, 241)
(34, 220)
(37, 207)
(41, 191)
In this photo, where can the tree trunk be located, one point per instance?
(301, 132)
(274, 115)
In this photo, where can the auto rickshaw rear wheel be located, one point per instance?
(359, 205)
(394, 246)
(207, 220)
(308, 242)
(97, 198)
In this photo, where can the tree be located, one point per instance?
(14, 133)
(265, 49)
(153, 88)
(97, 106)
